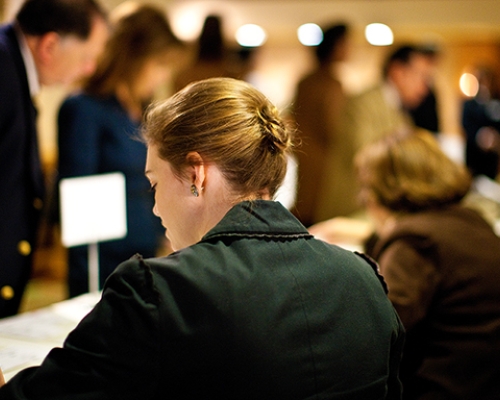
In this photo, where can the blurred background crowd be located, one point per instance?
(395, 105)
(318, 77)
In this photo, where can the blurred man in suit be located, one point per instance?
(50, 42)
(369, 116)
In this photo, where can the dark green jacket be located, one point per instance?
(258, 309)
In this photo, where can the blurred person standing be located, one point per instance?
(426, 114)
(49, 42)
(481, 123)
(369, 116)
(317, 108)
(98, 130)
(211, 55)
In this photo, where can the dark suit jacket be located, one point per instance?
(258, 309)
(475, 115)
(21, 183)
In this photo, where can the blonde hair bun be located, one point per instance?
(230, 123)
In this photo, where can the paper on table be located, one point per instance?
(37, 325)
(16, 356)
(77, 308)
(53, 322)
(26, 339)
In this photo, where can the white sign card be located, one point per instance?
(93, 208)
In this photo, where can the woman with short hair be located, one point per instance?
(441, 263)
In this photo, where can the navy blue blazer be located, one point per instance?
(21, 181)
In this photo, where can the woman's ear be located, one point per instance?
(196, 170)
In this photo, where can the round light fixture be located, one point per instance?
(251, 35)
(379, 34)
(310, 34)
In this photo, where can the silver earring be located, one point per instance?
(194, 190)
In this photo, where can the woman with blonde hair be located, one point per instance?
(441, 263)
(97, 128)
(250, 305)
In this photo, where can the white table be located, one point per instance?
(26, 339)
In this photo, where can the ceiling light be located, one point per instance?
(310, 34)
(379, 35)
(250, 35)
(469, 85)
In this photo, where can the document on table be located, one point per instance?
(26, 339)
(43, 325)
(16, 356)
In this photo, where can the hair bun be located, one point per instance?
(274, 134)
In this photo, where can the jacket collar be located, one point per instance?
(12, 44)
(258, 218)
(29, 62)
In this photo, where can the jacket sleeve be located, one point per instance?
(409, 270)
(111, 354)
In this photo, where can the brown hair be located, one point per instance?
(66, 17)
(137, 36)
(228, 122)
(409, 172)
(403, 55)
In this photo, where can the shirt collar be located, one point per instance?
(391, 95)
(29, 62)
